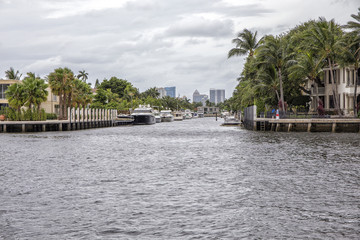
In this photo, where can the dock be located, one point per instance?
(332, 124)
(78, 119)
(308, 125)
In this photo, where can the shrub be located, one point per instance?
(51, 116)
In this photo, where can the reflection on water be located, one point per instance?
(179, 180)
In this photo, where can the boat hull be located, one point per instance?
(144, 119)
(167, 119)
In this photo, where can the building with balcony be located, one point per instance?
(345, 80)
(51, 105)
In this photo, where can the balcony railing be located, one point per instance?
(320, 89)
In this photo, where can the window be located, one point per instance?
(348, 77)
(3, 88)
(54, 98)
(331, 101)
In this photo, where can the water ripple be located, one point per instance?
(180, 180)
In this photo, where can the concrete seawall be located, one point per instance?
(78, 119)
(307, 125)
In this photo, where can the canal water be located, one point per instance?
(182, 180)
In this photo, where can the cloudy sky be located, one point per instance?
(182, 43)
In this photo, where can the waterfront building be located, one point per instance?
(170, 91)
(208, 110)
(51, 105)
(217, 95)
(344, 78)
(4, 84)
(197, 97)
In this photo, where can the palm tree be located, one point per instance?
(152, 92)
(308, 66)
(83, 75)
(11, 74)
(246, 43)
(267, 82)
(35, 91)
(61, 83)
(324, 38)
(354, 25)
(15, 94)
(275, 51)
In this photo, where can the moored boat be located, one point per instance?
(143, 115)
(178, 116)
(231, 121)
(166, 116)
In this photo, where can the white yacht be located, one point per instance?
(143, 115)
(166, 116)
(157, 116)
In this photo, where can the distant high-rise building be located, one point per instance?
(197, 97)
(217, 95)
(170, 91)
(162, 92)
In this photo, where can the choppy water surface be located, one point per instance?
(182, 180)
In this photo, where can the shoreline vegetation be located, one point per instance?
(277, 68)
(25, 97)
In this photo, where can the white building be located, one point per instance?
(344, 79)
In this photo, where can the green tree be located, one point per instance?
(354, 25)
(308, 66)
(35, 91)
(82, 95)
(15, 94)
(151, 92)
(11, 74)
(275, 51)
(116, 85)
(325, 38)
(83, 75)
(61, 84)
(246, 43)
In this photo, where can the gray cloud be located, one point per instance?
(201, 27)
(148, 42)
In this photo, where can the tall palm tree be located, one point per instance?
(83, 75)
(11, 74)
(61, 84)
(325, 38)
(15, 94)
(268, 82)
(35, 91)
(308, 66)
(275, 51)
(246, 43)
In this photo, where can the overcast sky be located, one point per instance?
(182, 43)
